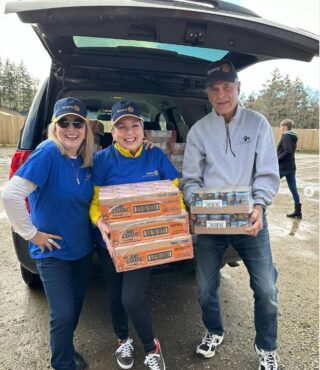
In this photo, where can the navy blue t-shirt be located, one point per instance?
(60, 204)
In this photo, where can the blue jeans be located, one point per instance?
(64, 284)
(291, 181)
(256, 255)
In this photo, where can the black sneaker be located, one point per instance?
(208, 345)
(268, 359)
(124, 353)
(154, 360)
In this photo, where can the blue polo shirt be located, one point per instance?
(112, 168)
(59, 205)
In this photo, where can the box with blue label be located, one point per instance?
(221, 210)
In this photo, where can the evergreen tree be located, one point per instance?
(17, 87)
(282, 98)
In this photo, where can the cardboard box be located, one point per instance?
(220, 223)
(177, 165)
(157, 136)
(144, 230)
(218, 231)
(165, 147)
(153, 253)
(233, 204)
(139, 200)
(241, 208)
(177, 148)
(96, 127)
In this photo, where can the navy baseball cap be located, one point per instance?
(221, 70)
(125, 108)
(66, 106)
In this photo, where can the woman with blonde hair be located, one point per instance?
(57, 179)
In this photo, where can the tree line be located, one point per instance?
(17, 86)
(282, 98)
(279, 98)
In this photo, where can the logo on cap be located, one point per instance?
(130, 109)
(225, 68)
(76, 108)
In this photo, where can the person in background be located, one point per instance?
(233, 146)
(128, 161)
(287, 164)
(57, 180)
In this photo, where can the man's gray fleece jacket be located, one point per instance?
(247, 158)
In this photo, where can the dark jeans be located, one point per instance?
(291, 181)
(256, 255)
(127, 299)
(64, 284)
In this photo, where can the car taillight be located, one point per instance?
(18, 159)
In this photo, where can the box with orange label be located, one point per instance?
(139, 255)
(139, 200)
(153, 228)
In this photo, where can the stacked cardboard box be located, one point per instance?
(139, 200)
(147, 224)
(97, 130)
(144, 230)
(96, 127)
(157, 136)
(221, 210)
(176, 156)
(139, 255)
(166, 140)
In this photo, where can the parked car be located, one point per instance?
(155, 53)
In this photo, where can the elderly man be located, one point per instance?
(234, 146)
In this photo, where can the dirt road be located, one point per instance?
(24, 341)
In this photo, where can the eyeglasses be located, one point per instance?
(64, 123)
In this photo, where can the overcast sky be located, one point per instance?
(19, 42)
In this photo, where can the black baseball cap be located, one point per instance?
(125, 108)
(222, 70)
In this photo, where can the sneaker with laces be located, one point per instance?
(208, 345)
(268, 359)
(154, 360)
(124, 353)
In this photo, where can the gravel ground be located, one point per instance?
(177, 319)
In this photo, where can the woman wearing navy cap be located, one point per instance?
(57, 181)
(128, 161)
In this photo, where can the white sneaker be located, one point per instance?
(268, 359)
(154, 360)
(124, 353)
(208, 345)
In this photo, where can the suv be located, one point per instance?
(153, 52)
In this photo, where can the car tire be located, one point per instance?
(31, 279)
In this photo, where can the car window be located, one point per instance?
(191, 51)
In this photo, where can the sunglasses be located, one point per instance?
(64, 123)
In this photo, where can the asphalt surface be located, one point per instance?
(24, 335)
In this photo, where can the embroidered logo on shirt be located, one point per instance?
(152, 173)
(246, 140)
